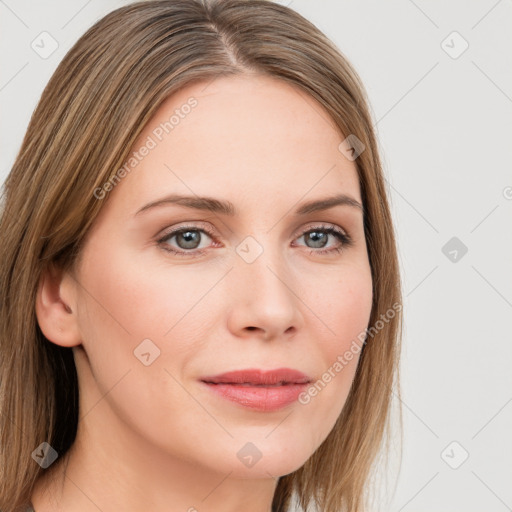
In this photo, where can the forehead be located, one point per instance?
(243, 138)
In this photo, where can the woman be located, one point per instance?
(201, 305)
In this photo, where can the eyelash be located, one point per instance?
(346, 240)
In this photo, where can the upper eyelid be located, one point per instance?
(197, 227)
(324, 225)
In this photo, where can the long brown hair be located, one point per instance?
(91, 112)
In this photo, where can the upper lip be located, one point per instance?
(259, 377)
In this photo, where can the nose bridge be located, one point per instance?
(261, 262)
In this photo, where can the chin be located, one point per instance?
(264, 459)
(272, 467)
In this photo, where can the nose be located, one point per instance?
(264, 300)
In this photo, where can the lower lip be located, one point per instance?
(260, 398)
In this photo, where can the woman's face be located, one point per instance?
(264, 288)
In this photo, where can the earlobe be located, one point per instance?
(55, 315)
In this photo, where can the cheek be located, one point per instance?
(351, 311)
(132, 294)
(344, 307)
(130, 298)
(124, 302)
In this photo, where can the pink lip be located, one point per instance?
(260, 390)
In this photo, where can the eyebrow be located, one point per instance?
(227, 208)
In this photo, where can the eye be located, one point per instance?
(318, 237)
(188, 239)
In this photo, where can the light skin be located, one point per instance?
(151, 436)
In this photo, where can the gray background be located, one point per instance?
(444, 123)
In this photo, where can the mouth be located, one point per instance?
(256, 377)
(264, 391)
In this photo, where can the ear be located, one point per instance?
(56, 308)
